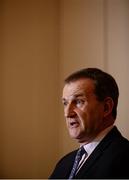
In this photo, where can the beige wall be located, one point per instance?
(118, 55)
(29, 91)
(42, 41)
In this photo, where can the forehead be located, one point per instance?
(82, 87)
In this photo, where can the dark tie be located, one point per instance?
(78, 157)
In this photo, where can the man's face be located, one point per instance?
(83, 112)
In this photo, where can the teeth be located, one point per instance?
(72, 123)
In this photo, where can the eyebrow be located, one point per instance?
(79, 95)
(76, 96)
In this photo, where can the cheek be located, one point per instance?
(83, 118)
(87, 116)
(95, 117)
(80, 113)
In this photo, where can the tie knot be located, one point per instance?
(82, 151)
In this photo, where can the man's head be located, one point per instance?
(90, 98)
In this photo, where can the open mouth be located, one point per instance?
(74, 124)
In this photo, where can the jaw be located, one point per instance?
(82, 137)
(74, 132)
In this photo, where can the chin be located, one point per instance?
(79, 137)
(75, 135)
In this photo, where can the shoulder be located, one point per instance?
(117, 143)
(115, 136)
(63, 167)
(120, 139)
(114, 145)
(67, 157)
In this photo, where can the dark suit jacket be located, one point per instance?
(110, 159)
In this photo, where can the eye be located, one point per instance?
(65, 103)
(79, 102)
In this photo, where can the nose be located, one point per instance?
(69, 111)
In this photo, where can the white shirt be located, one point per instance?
(89, 148)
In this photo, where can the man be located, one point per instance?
(90, 98)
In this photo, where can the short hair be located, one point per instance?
(105, 84)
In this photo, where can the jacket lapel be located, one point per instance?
(113, 134)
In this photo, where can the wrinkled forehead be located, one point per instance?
(81, 87)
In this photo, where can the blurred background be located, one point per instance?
(41, 42)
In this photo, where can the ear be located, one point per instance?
(108, 106)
